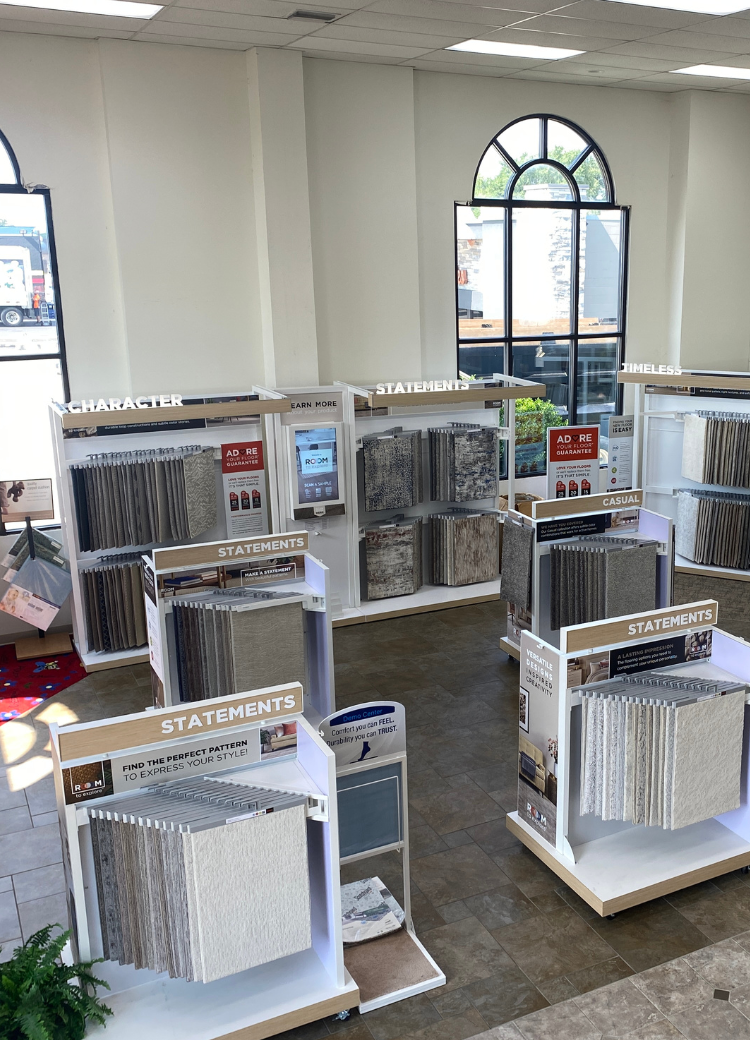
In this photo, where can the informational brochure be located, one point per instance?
(572, 461)
(368, 910)
(620, 453)
(26, 498)
(243, 478)
(38, 586)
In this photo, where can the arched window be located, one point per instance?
(32, 355)
(541, 257)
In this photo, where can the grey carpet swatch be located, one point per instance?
(114, 608)
(661, 749)
(596, 577)
(393, 553)
(713, 528)
(392, 469)
(716, 448)
(515, 575)
(188, 882)
(233, 640)
(465, 547)
(464, 462)
(140, 498)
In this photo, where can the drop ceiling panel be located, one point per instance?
(189, 41)
(215, 32)
(276, 26)
(691, 82)
(477, 16)
(463, 70)
(547, 39)
(352, 32)
(625, 61)
(370, 19)
(490, 60)
(387, 50)
(54, 29)
(686, 55)
(697, 41)
(589, 27)
(634, 14)
(92, 21)
(723, 27)
(592, 71)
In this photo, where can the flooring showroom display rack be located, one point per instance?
(100, 764)
(661, 402)
(282, 564)
(373, 411)
(612, 864)
(212, 422)
(620, 514)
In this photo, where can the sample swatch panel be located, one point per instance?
(515, 577)
(713, 527)
(463, 463)
(224, 645)
(114, 608)
(600, 577)
(660, 749)
(393, 552)
(465, 548)
(143, 498)
(190, 882)
(716, 448)
(392, 469)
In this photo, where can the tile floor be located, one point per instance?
(512, 938)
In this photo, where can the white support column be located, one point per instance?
(282, 213)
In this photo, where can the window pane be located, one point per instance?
(7, 173)
(481, 271)
(27, 300)
(482, 360)
(492, 177)
(599, 296)
(542, 182)
(542, 248)
(521, 141)
(597, 383)
(26, 389)
(546, 363)
(563, 143)
(590, 178)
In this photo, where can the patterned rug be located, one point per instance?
(24, 684)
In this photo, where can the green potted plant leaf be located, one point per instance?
(43, 999)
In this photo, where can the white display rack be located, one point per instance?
(313, 592)
(221, 420)
(253, 1004)
(614, 865)
(661, 402)
(553, 512)
(372, 412)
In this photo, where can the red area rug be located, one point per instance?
(24, 684)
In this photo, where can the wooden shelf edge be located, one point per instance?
(422, 608)
(83, 420)
(510, 648)
(294, 1019)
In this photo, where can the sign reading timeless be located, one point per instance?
(118, 404)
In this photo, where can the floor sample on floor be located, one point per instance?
(25, 684)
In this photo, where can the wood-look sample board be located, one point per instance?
(98, 764)
(610, 863)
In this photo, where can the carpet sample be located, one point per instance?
(715, 448)
(713, 528)
(465, 547)
(114, 607)
(515, 573)
(464, 461)
(393, 554)
(392, 469)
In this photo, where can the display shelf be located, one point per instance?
(428, 598)
(510, 648)
(251, 1005)
(634, 866)
(684, 566)
(94, 662)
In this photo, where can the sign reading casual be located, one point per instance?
(572, 461)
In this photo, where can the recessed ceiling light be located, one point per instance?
(515, 50)
(121, 8)
(719, 71)
(696, 6)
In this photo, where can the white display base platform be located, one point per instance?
(251, 1005)
(94, 662)
(684, 566)
(429, 597)
(640, 863)
(408, 991)
(510, 648)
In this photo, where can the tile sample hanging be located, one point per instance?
(716, 448)
(393, 554)
(713, 528)
(232, 640)
(201, 878)
(392, 469)
(661, 749)
(465, 547)
(464, 461)
(140, 498)
(515, 573)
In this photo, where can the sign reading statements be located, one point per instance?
(621, 630)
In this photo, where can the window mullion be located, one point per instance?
(575, 290)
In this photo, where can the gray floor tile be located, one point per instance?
(44, 881)
(44, 819)
(656, 1031)
(714, 1020)
(37, 913)
(502, 906)
(6, 883)
(719, 913)
(38, 847)
(10, 799)
(550, 945)
(18, 819)
(407, 1016)
(561, 1022)
(557, 990)
(457, 809)
(509, 1031)
(618, 1009)
(9, 924)
(6, 952)
(504, 997)
(600, 974)
(673, 986)
(41, 796)
(650, 934)
(456, 911)
(725, 965)
(493, 837)
(466, 952)
(456, 874)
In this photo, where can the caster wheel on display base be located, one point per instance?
(745, 870)
(342, 1016)
(611, 917)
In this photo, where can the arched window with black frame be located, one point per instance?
(541, 259)
(32, 350)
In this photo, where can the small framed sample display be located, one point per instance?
(315, 476)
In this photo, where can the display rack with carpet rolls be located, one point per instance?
(633, 754)
(204, 872)
(238, 614)
(582, 560)
(147, 474)
(421, 465)
(693, 434)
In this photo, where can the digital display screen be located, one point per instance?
(316, 454)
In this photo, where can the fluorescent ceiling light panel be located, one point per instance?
(696, 6)
(719, 71)
(514, 50)
(119, 8)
